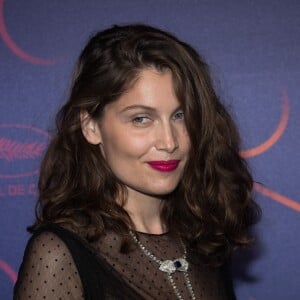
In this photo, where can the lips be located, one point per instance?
(164, 165)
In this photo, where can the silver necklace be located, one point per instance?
(170, 267)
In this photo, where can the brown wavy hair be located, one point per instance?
(211, 207)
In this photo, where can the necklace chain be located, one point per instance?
(179, 264)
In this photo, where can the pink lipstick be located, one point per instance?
(164, 165)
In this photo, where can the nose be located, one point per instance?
(166, 138)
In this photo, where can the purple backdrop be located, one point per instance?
(254, 50)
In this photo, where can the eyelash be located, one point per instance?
(135, 120)
(179, 113)
(139, 120)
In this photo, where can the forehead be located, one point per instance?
(151, 88)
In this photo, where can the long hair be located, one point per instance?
(211, 208)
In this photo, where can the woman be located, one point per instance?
(142, 192)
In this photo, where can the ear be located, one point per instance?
(90, 129)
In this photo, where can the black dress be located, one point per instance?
(58, 264)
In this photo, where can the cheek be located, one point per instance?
(188, 143)
(125, 145)
(185, 140)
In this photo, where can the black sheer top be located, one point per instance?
(58, 264)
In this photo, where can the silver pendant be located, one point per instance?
(170, 266)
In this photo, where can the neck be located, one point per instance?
(144, 211)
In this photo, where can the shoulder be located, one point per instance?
(61, 246)
(46, 248)
(48, 269)
(53, 240)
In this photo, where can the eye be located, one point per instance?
(179, 115)
(140, 120)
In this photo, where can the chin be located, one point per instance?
(162, 191)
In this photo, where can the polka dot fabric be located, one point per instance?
(49, 271)
(143, 274)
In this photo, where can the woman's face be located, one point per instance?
(143, 135)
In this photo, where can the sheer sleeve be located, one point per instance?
(48, 271)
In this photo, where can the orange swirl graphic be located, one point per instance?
(276, 135)
(16, 49)
(277, 197)
(8, 270)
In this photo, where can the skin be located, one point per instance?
(145, 124)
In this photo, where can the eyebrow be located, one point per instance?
(137, 106)
(148, 108)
